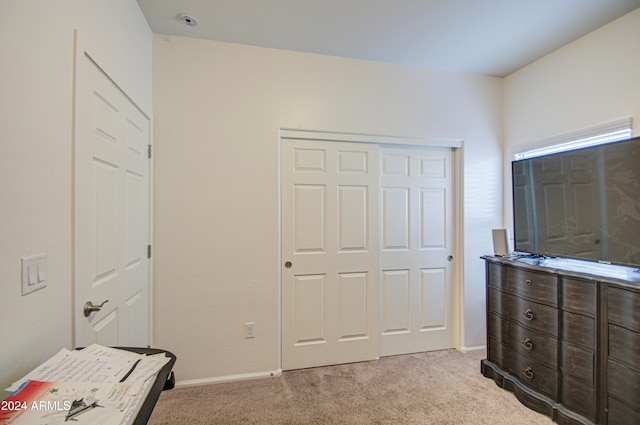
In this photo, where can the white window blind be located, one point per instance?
(597, 135)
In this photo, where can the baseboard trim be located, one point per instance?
(228, 378)
(268, 374)
(468, 349)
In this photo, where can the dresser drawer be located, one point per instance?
(498, 353)
(498, 327)
(619, 414)
(578, 329)
(577, 362)
(496, 276)
(534, 316)
(623, 383)
(533, 285)
(624, 345)
(498, 301)
(579, 397)
(534, 374)
(534, 345)
(623, 308)
(578, 295)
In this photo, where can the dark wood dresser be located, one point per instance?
(564, 336)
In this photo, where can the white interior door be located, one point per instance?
(111, 200)
(329, 253)
(416, 250)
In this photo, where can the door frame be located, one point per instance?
(456, 145)
(83, 46)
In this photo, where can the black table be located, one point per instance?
(164, 381)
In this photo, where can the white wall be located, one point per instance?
(218, 107)
(593, 80)
(35, 155)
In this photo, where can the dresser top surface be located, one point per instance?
(577, 268)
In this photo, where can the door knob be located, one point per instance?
(89, 307)
(288, 264)
(450, 258)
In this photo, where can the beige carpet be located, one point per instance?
(442, 387)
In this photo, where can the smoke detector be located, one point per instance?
(187, 20)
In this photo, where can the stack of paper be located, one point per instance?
(97, 385)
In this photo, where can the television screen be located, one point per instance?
(583, 203)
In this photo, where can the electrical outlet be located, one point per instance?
(249, 330)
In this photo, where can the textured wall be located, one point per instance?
(218, 107)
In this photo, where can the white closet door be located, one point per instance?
(416, 250)
(330, 253)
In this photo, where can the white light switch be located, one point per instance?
(34, 273)
(42, 271)
(250, 330)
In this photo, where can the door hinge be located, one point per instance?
(149, 151)
(148, 251)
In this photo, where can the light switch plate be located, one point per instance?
(34, 273)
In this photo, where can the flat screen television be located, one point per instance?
(582, 204)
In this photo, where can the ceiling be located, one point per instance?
(487, 37)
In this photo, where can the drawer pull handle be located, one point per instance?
(528, 314)
(528, 344)
(528, 373)
(527, 282)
